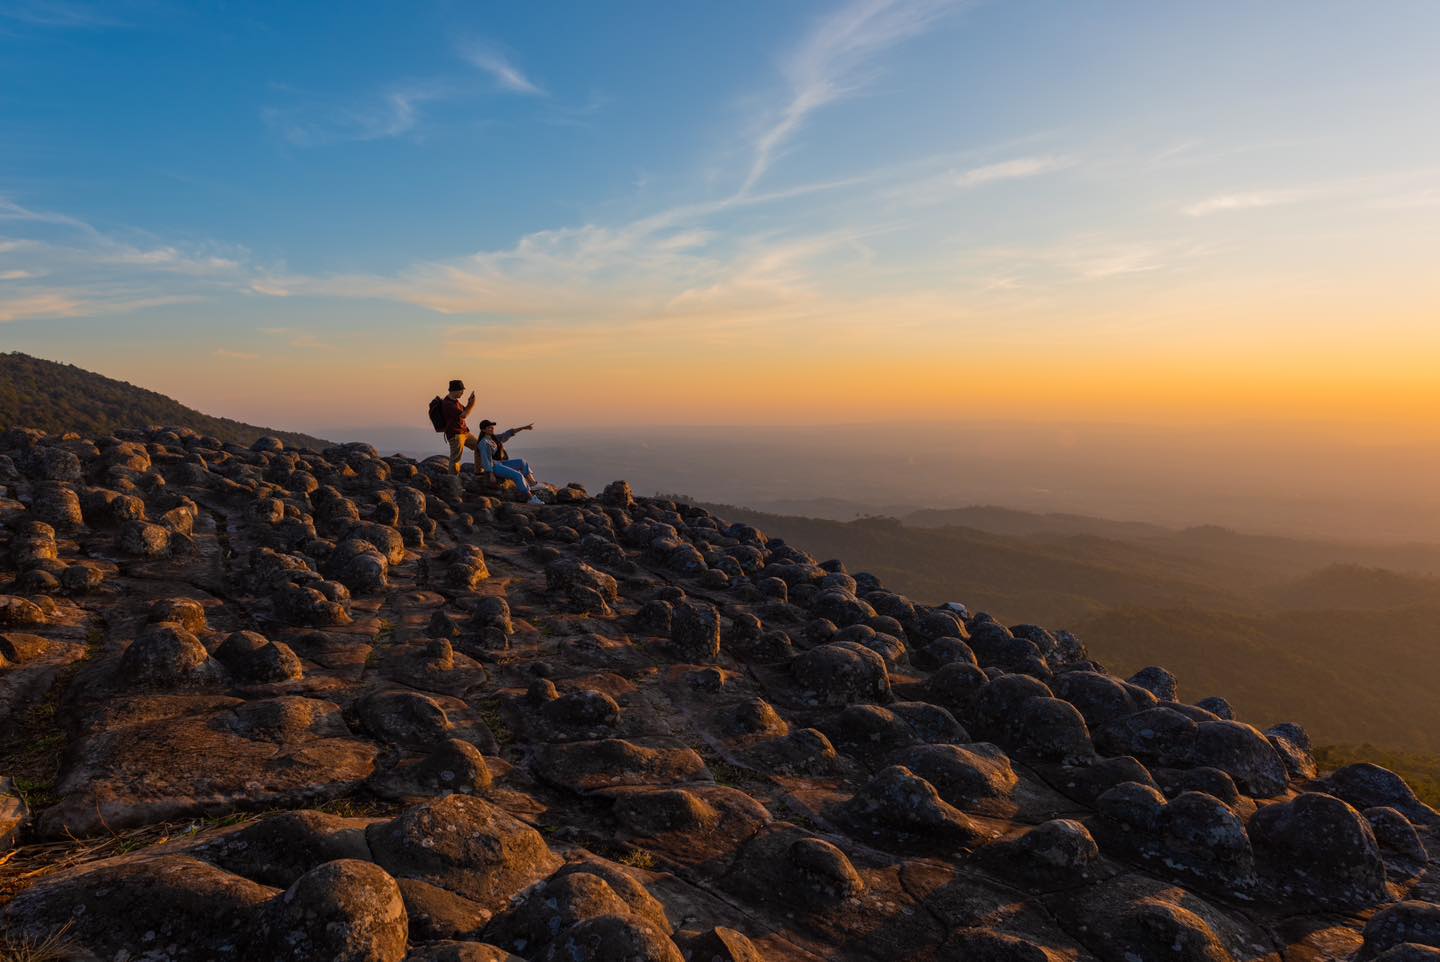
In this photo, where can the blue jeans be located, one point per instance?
(515, 470)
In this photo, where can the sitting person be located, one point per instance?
(491, 456)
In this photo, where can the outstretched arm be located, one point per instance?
(507, 435)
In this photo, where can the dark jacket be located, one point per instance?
(454, 417)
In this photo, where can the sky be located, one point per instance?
(313, 215)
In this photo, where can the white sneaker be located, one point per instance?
(535, 500)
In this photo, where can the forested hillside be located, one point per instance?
(54, 397)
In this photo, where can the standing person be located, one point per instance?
(491, 456)
(457, 432)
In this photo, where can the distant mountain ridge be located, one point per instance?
(1009, 521)
(1338, 636)
(56, 397)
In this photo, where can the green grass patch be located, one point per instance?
(489, 710)
(356, 808)
(731, 776)
(37, 793)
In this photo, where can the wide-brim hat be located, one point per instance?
(457, 385)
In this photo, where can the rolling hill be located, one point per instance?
(55, 397)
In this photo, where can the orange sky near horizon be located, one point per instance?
(1376, 391)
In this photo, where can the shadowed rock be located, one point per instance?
(1365, 786)
(753, 716)
(404, 718)
(613, 937)
(898, 802)
(198, 912)
(821, 872)
(167, 655)
(346, 911)
(841, 673)
(1243, 752)
(464, 845)
(249, 656)
(437, 915)
(802, 751)
(977, 776)
(589, 766)
(1318, 847)
(719, 944)
(1057, 851)
(1101, 699)
(1393, 831)
(1413, 922)
(1154, 929)
(278, 850)
(453, 767)
(1292, 744)
(580, 893)
(695, 632)
(988, 945)
(1158, 682)
(1133, 806)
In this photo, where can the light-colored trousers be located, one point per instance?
(458, 444)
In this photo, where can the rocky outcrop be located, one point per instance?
(334, 705)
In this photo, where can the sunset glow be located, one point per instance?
(1141, 212)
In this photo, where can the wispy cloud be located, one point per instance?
(294, 338)
(91, 302)
(59, 14)
(924, 185)
(1249, 200)
(230, 355)
(1131, 259)
(1017, 169)
(391, 113)
(831, 63)
(66, 267)
(39, 305)
(486, 57)
(1081, 258)
(1414, 187)
(12, 211)
(399, 109)
(1415, 200)
(666, 264)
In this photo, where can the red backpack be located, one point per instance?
(437, 414)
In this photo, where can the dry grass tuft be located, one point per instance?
(641, 858)
(20, 867)
(56, 947)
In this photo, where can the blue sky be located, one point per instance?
(188, 191)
